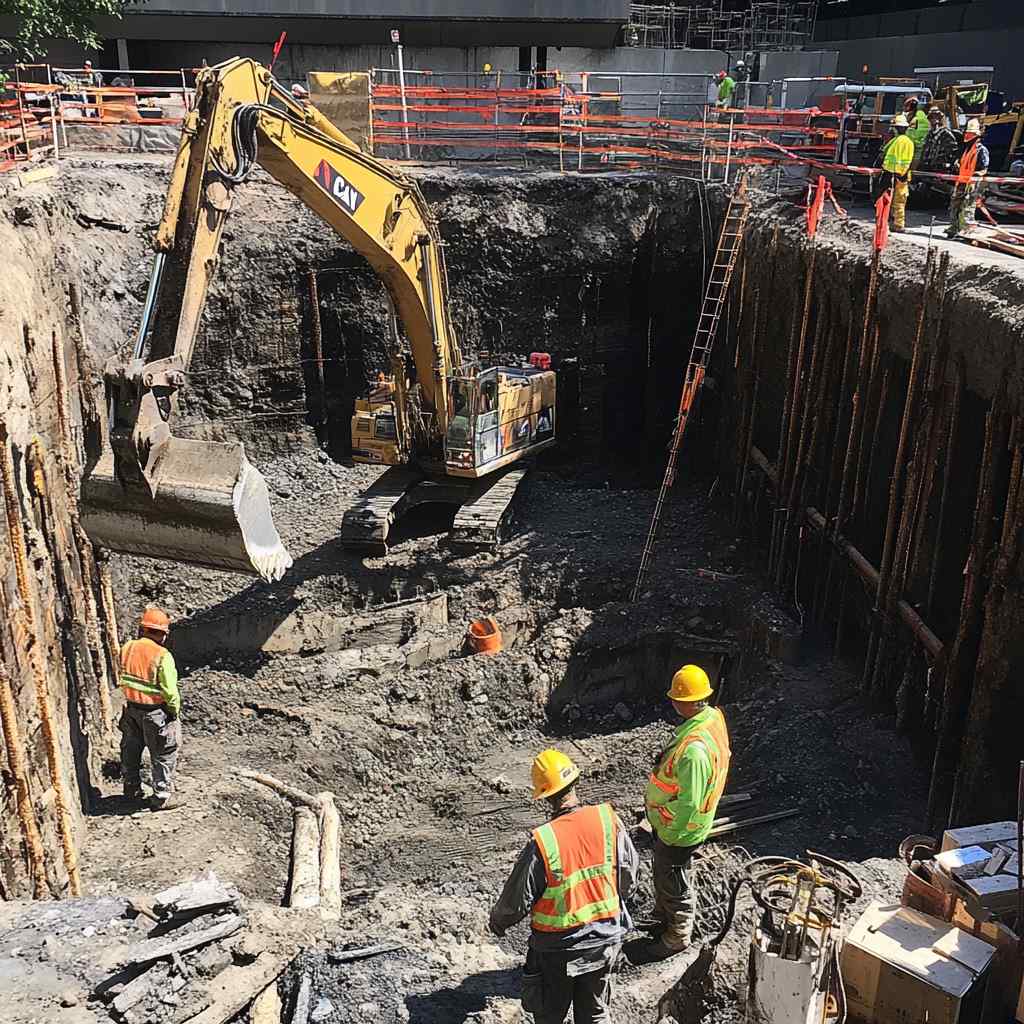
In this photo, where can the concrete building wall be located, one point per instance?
(986, 32)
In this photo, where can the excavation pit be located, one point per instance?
(342, 677)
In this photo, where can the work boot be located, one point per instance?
(164, 803)
(650, 952)
(134, 793)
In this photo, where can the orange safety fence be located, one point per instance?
(27, 131)
(588, 129)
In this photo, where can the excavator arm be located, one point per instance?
(202, 501)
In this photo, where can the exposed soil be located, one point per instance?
(429, 757)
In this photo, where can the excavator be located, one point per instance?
(448, 430)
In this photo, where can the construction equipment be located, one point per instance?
(451, 429)
(715, 294)
(793, 969)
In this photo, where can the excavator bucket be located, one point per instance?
(210, 508)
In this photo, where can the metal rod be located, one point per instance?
(931, 643)
(1020, 848)
(405, 108)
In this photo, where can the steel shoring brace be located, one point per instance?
(715, 293)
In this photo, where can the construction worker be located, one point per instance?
(974, 163)
(150, 720)
(896, 163)
(726, 87)
(681, 800)
(917, 126)
(573, 878)
(939, 153)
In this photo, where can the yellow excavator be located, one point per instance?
(449, 431)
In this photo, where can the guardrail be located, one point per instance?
(585, 121)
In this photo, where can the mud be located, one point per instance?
(427, 748)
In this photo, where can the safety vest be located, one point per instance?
(968, 163)
(578, 850)
(899, 155)
(140, 665)
(663, 789)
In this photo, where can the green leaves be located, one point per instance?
(40, 20)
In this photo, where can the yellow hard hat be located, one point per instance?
(690, 683)
(900, 121)
(488, 69)
(552, 771)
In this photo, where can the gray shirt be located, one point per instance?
(528, 881)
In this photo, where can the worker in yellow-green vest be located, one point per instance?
(150, 720)
(896, 162)
(681, 800)
(572, 878)
(917, 127)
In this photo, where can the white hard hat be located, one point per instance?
(974, 125)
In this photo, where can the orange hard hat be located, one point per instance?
(155, 618)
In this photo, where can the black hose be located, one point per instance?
(730, 912)
(243, 141)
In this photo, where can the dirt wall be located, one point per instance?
(55, 670)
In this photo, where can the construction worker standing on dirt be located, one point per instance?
(573, 878)
(899, 155)
(149, 681)
(682, 797)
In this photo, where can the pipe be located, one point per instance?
(929, 641)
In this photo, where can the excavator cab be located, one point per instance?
(497, 416)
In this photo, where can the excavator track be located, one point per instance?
(480, 521)
(366, 525)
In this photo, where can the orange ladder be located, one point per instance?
(729, 242)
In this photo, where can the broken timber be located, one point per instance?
(161, 949)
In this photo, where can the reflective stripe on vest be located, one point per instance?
(578, 850)
(715, 738)
(140, 668)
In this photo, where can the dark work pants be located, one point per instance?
(675, 895)
(549, 990)
(149, 727)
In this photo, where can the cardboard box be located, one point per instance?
(979, 835)
(902, 965)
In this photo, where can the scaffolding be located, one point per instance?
(728, 25)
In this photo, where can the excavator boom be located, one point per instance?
(202, 502)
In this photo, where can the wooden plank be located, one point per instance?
(164, 949)
(137, 990)
(206, 893)
(236, 987)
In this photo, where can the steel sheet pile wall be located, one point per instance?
(875, 448)
(57, 635)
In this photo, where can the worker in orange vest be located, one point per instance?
(974, 162)
(150, 720)
(681, 800)
(572, 878)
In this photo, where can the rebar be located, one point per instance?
(788, 430)
(959, 670)
(896, 479)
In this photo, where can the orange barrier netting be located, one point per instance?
(586, 129)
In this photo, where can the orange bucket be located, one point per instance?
(484, 636)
